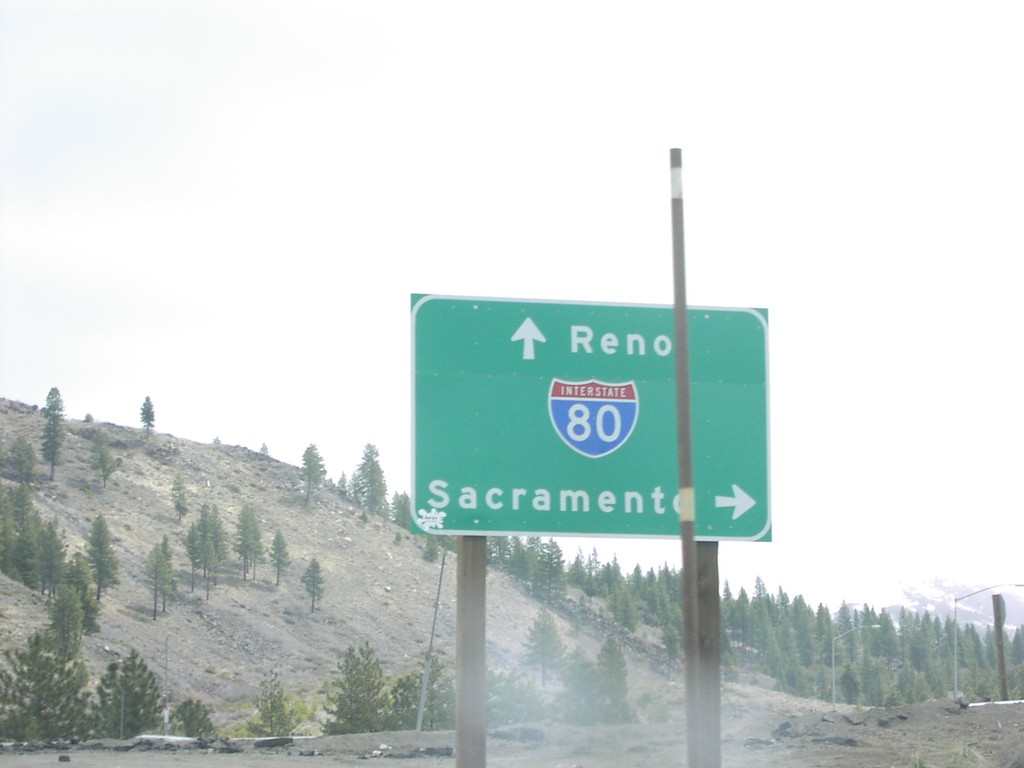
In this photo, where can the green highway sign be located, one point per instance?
(547, 418)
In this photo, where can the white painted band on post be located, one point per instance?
(677, 183)
(687, 506)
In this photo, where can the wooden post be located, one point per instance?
(470, 654)
(999, 611)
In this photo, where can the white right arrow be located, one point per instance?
(740, 501)
(528, 333)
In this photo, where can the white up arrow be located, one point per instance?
(739, 501)
(528, 333)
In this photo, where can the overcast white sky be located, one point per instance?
(225, 206)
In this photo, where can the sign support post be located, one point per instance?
(470, 654)
(700, 563)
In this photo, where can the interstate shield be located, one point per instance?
(594, 418)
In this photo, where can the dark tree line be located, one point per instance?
(881, 659)
(34, 553)
(45, 696)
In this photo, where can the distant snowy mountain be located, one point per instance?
(972, 603)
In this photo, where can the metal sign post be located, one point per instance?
(700, 564)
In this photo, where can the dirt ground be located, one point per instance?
(759, 729)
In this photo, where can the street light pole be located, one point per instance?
(956, 633)
(837, 637)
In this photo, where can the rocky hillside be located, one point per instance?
(378, 586)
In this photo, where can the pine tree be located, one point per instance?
(7, 535)
(192, 719)
(279, 556)
(276, 715)
(53, 431)
(313, 471)
(22, 459)
(129, 701)
(578, 701)
(212, 544)
(544, 647)
(523, 559)
(77, 578)
(596, 693)
(511, 699)
(359, 701)
(401, 510)
(66, 617)
(368, 487)
(576, 575)
(154, 574)
(612, 687)
(549, 582)
(313, 581)
(147, 415)
(623, 607)
(179, 496)
(102, 459)
(27, 532)
(170, 580)
(431, 549)
(439, 706)
(159, 573)
(405, 701)
(100, 549)
(672, 639)
(51, 549)
(43, 694)
(849, 685)
(194, 553)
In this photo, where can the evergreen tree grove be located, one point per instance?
(248, 541)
